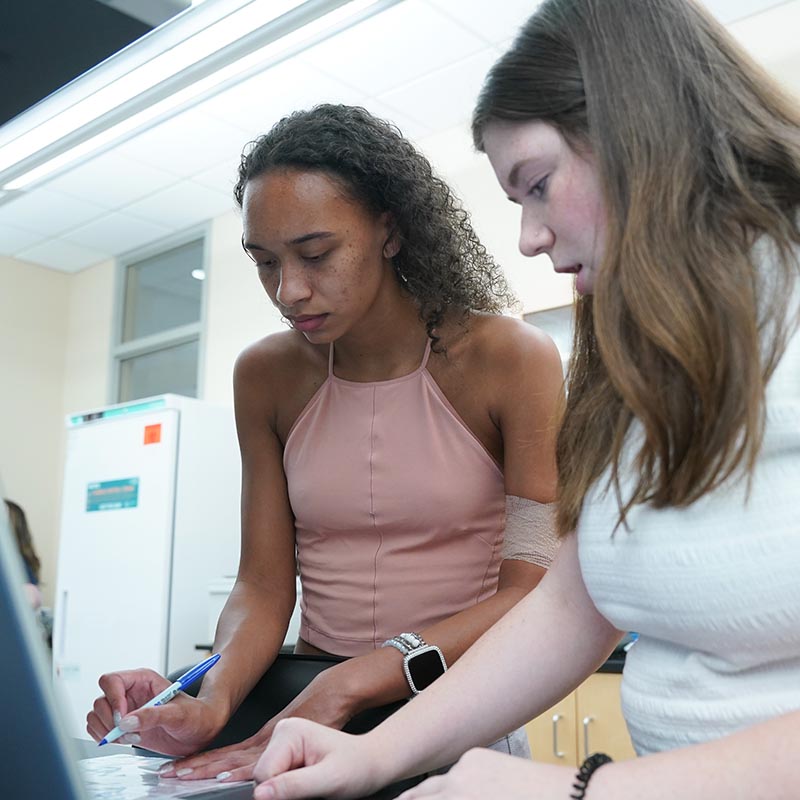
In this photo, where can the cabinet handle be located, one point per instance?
(586, 721)
(556, 752)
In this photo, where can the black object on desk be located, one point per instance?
(289, 674)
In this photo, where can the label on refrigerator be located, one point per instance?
(152, 434)
(112, 495)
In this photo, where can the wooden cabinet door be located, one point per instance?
(600, 725)
(552, 735)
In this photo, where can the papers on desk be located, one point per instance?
(129, 777)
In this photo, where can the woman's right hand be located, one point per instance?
(178, 728)
(306, 759)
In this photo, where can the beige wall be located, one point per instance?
(237, 309)
(34, 310)
(88, 353)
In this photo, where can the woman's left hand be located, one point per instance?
(482, 773)
(322, 701)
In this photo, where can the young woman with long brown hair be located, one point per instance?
(651, 158)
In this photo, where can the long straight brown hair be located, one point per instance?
(699, 158)
(19, 524)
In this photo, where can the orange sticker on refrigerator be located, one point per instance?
(152, 434)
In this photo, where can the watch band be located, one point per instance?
(405, 642)
(398, 645)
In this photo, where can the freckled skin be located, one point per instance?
(339, 269)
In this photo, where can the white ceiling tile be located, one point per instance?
(221, 177)
(63, 256)
(418, 64)
(504, 45)
(446, 97)
(451, 151)
(393, 47)
(181, 205)
(12, 239)
(48, 212)
(410, 128)
(116, 232)
(185, 144)
(112, 180)
(495, 22)
(771, 36)
(729, 10)
(256, 104)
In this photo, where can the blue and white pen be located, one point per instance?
(164, 697)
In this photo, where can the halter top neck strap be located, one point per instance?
(426, 355)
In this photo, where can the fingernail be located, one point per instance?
(264, 792)
(129, 723)
(130, 738)
(185, 771)
(223, 776)
(167, 771)
(117, 717)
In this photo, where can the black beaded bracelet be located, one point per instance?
(587, 769)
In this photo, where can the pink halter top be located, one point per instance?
(399, 510)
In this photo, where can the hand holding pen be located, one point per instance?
(167, 694)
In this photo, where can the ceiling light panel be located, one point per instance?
(35, 146)
(144, 77)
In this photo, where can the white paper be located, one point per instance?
(130, 777)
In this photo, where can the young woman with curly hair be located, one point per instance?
(654, 161)
(388, 439)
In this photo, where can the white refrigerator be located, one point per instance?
(150, 516)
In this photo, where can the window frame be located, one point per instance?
(181, 334)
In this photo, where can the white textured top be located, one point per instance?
(713, 591)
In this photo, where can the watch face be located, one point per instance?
(425, 668)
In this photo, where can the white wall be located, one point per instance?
(496, 220)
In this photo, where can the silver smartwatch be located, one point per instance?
(423, 663)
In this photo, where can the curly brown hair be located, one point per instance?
(441, 261)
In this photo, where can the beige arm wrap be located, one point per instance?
(530, 531)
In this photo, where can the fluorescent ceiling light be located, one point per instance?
(252, 36)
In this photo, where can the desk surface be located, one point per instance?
(89, 749)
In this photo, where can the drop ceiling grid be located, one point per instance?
(416, 63)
